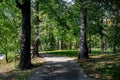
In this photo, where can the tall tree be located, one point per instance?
(83, 50)
(101, 36)
(36, 30)
(25, 57)
(116, 31)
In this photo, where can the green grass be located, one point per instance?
(8, 72)
(103, 66)
(67, 53)
(97, 51)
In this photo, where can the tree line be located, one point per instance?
(58, 24)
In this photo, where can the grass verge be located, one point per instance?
(66, 53)
(103, 66)
(8, 71)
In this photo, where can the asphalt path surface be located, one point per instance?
(59, 68)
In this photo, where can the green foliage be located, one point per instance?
(9, 30)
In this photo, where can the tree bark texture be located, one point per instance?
(36, 31)
(83, 50)
(25, 56)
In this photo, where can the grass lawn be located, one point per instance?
(103, 66)
(8, 71)
(67, 53)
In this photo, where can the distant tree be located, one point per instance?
(36, 30)
(25, 57)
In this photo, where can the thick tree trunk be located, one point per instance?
(36, 30)
(25, 57)
(83, 50)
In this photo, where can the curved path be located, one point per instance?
(59, 68)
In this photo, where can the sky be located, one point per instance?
(67, 0)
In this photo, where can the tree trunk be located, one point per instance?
(6, 52)
(52, 40)
(70, 44)
(89, 47)
(114, 44)
(59, 39)
(25, 57)
(115, 39)
(101, 37)
(116, 33)
(83, 50)
(36, 30)
(102, 43)
(6, 56)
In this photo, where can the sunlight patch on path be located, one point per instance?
(58, 59)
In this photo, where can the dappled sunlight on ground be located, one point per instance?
(59, 68)
(104, 66)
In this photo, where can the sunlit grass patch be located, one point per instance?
(98, 50)
(8, 71)
(66, 53)
(103, 66)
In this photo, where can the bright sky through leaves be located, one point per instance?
(69, 1)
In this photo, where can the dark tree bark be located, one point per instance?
(36, 30)
(25, 57)
(6, 55)
(83, 50)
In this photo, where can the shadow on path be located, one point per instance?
(60, 68)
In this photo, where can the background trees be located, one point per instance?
(59, 26)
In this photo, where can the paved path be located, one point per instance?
(59, 68)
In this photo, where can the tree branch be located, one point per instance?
(18, 4)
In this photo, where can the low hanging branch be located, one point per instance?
(18, 4)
